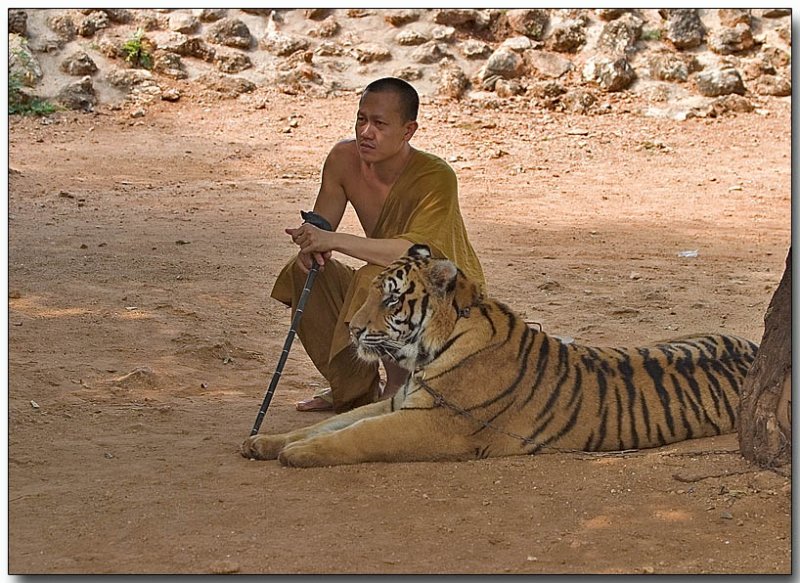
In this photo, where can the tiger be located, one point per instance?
(484, 383)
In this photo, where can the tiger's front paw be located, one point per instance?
(306, 454)
(262, 447)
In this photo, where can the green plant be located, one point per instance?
(136, 51)
(19, 102)
(652, 34)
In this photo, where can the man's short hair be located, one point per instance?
(409, 99)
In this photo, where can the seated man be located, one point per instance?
(401, 196)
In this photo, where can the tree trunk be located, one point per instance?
(765, 414)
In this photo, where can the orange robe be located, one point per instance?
(422, 207)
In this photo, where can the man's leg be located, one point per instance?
(352, 381)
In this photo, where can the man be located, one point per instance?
(401, 196)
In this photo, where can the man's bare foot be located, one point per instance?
(321, 401)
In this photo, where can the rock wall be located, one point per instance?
(670, 62)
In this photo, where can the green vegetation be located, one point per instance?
(136, 51)
(652, 34)
(19, 103)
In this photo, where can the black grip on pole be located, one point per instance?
(319, 221)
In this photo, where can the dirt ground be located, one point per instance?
(142, 338)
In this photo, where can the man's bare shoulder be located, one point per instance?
(344, 154)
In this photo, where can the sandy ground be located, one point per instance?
(142, 339)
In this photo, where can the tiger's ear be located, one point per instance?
(442, 275)
(467, 294)
(422, 251)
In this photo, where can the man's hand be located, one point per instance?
(304, 260)
(314, 243)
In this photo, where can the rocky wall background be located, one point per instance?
(670, 62)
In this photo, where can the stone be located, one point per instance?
(611, 74)
(18, 22)
(128, 78)
(210, 14)
(619, 36)
(726, 41)
(474, 49)
(451, 82)
(317, 13)
(326, 29)
(227, 86)
(716, 82)
(92, 22)
(775, 85)
(185, 23)
(63, 26)
(169, 64)
(171, 94)
(776, 12)
(358, 13)
(401, 17)
(197, 48)
(567, 36)
(371, 52)
(548, 64)
(751, 69)
(546, 89)
(230, 32)
(733, 16)
(577, 100)
(151, 21)
(21, 61)
(283, 44)
(411, 38)
(78, 64)
(508, 88)
(118, 15)
(518, 44)
(258, 11)
(731, 103)
(685, 30)
(78, 95)
(775, 56)
(329, 49)
(443, 33)
(505, 63)
(668, 66)
(785, 33)
(531, 22)
(231, 61)
(409, 73)
(456, 17)
(609, 14)
(430, 52)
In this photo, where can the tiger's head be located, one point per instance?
(412, 308)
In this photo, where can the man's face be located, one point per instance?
(380, 128)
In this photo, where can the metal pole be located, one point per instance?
(317, 221)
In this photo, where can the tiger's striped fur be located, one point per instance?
(485, 384)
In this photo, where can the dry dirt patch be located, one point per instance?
(141, 254)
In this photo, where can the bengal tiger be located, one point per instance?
(483, 383)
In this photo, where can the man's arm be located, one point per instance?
(331, 202)
(314, 241)
(331, 198)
